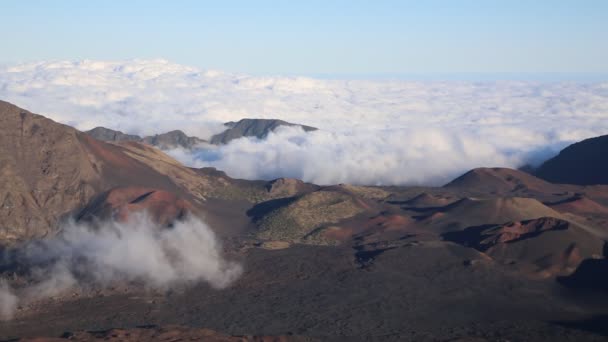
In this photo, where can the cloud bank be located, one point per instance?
(111, 253)
(376, 132)
(419, 156)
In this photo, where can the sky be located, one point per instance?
(318, 38)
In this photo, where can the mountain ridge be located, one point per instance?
(258, 128)
(582, 163)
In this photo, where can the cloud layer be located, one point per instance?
(110, 253)
(374, 157)
(379, 132)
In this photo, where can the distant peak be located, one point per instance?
(168, 140)
(248, 127)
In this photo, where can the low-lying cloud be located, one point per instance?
(373, 131)
(423, 155)
(109, 253)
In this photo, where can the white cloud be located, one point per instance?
(513, 119)
(111, 253)
(423, 155)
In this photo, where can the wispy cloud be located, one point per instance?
(111, 253)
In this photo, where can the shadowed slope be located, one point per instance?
(546, 246)
(120, 203)
(583, 163)
(470, 212)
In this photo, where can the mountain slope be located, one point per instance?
(545, 246)
(500, 181)
(44, 171)
(470, 212)
(48, 169)
(582, 163)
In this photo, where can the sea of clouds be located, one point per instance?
(86, 256)
(371, 131)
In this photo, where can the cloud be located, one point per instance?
(423, 155)
(518, 121)
(110, 253)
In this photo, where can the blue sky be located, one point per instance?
(317, 37)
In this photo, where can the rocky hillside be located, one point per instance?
(244, 128)
(47, 170)
(330, 262)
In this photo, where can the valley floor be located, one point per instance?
(417, 292)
